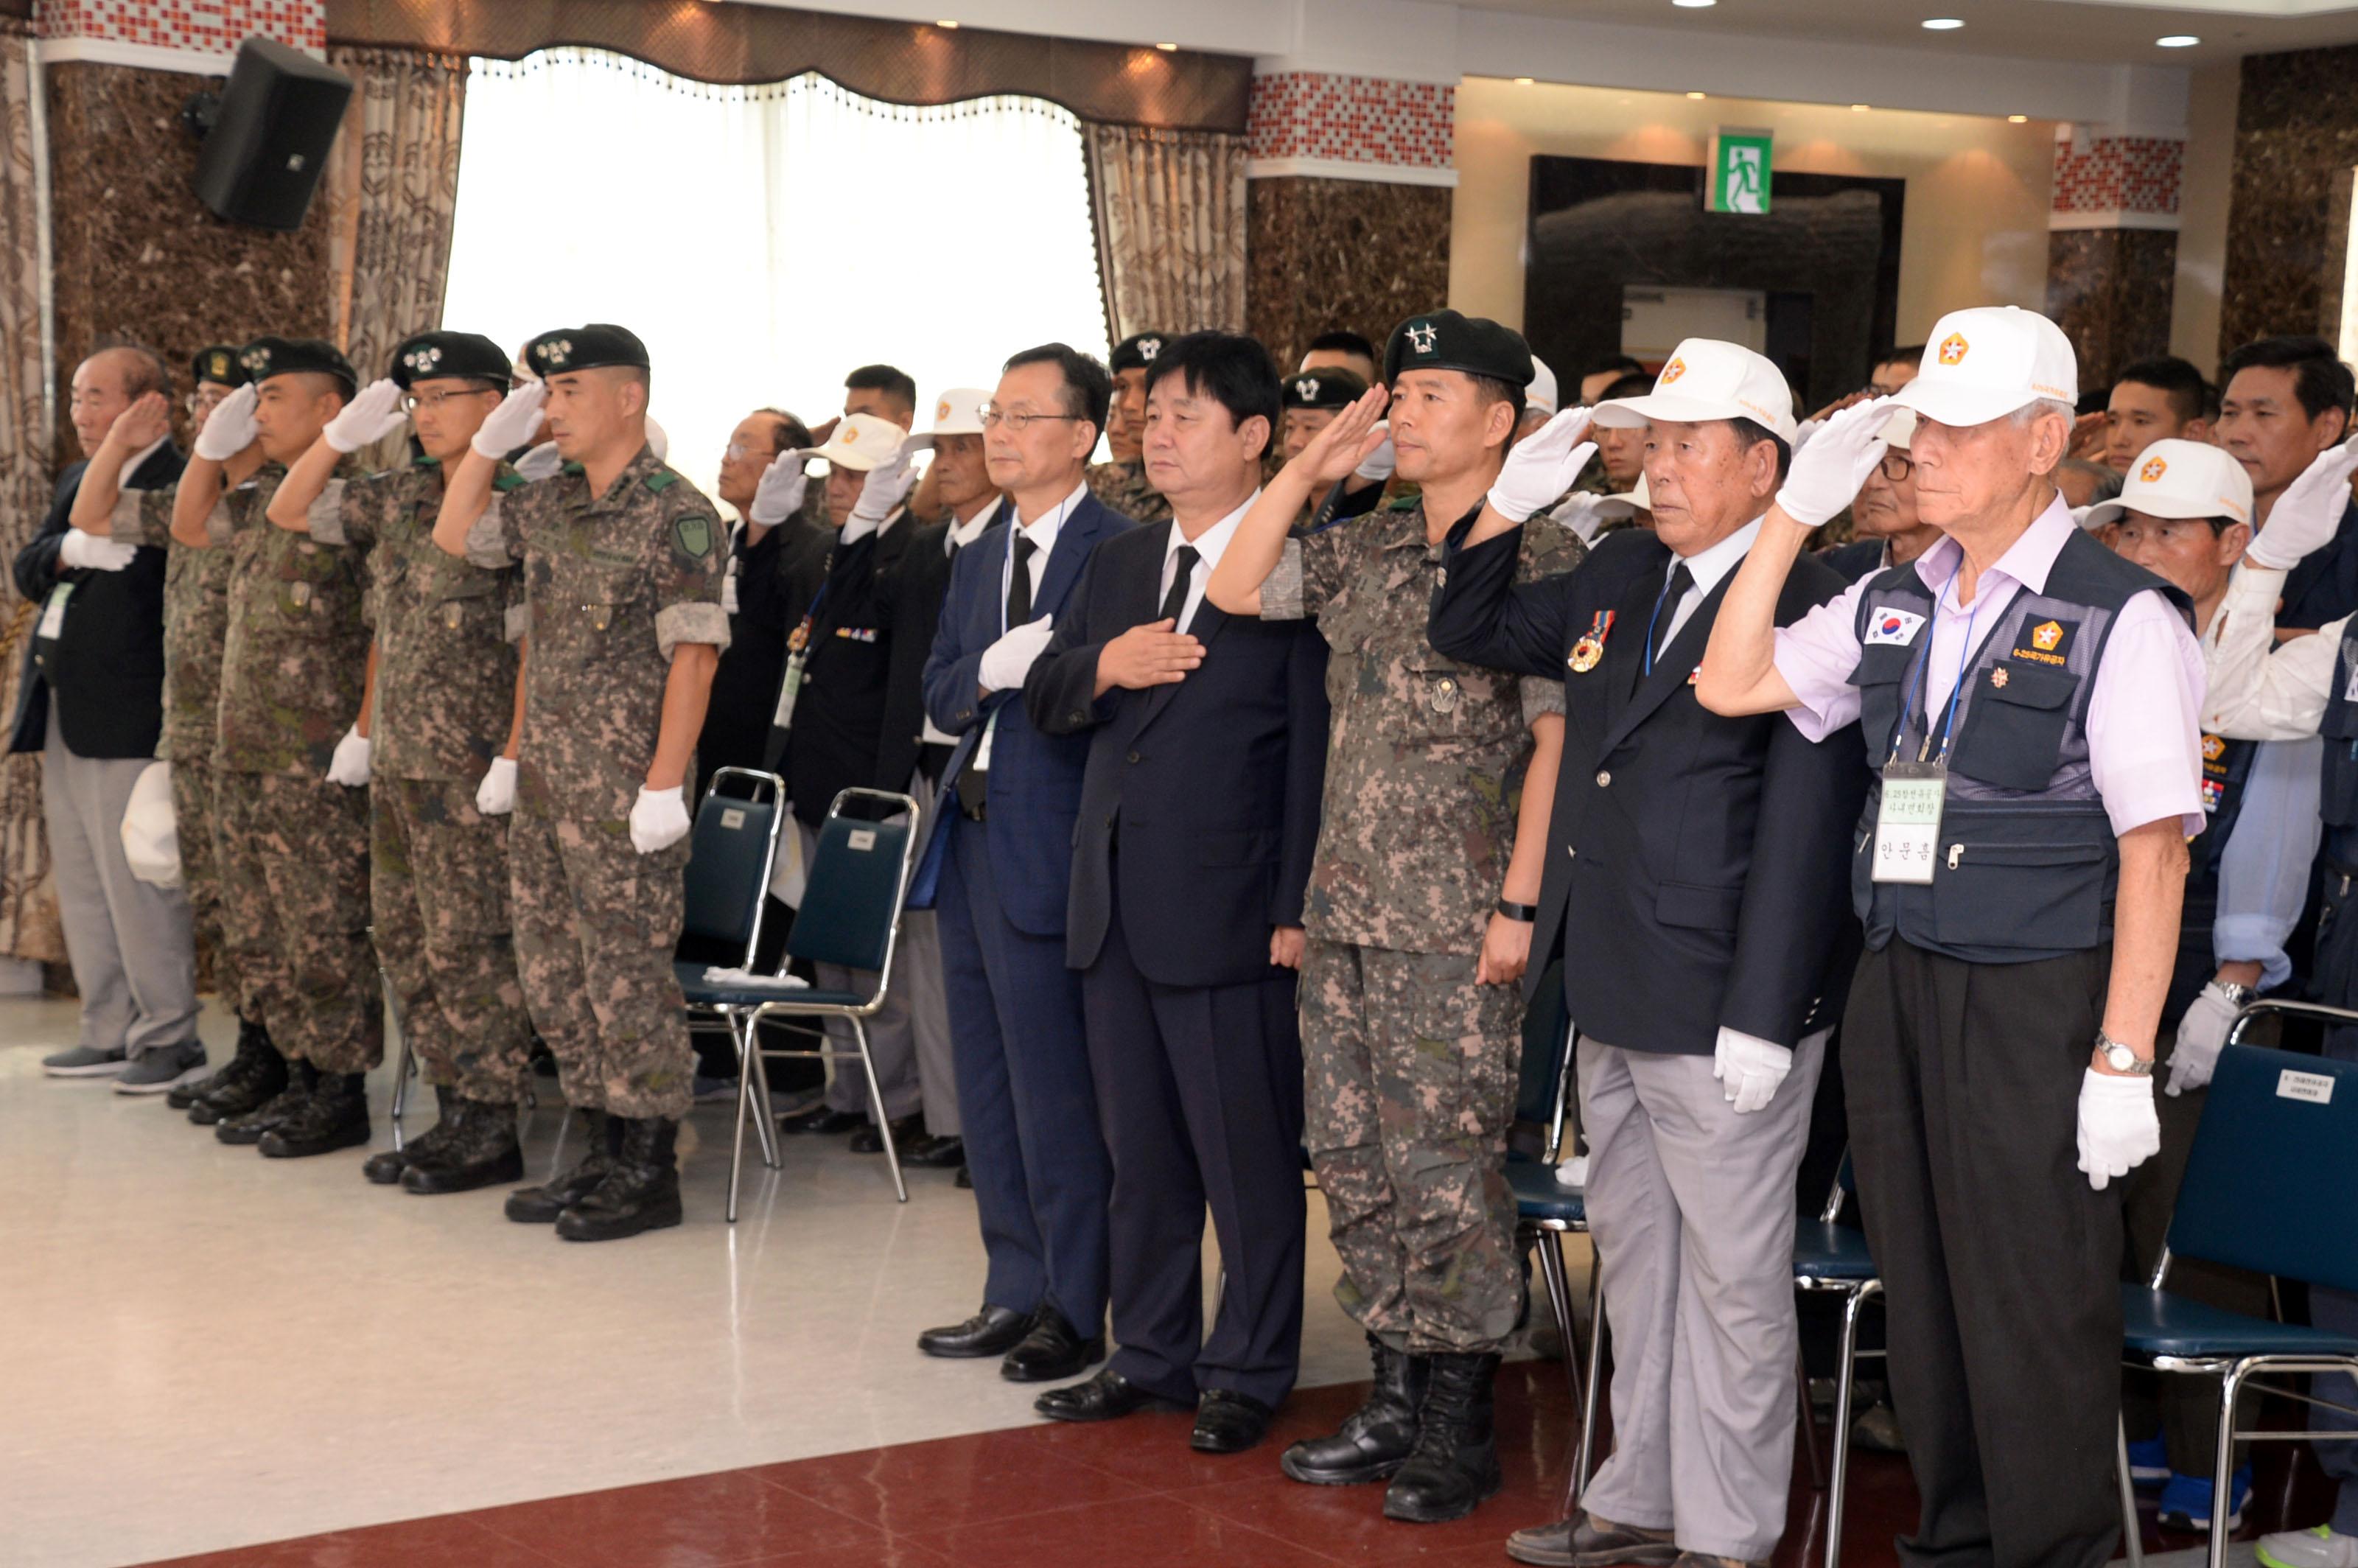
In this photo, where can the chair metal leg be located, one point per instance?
(403, 1067)
(1845, 1385)
(1584, 1458)
(876, 1104)
(1809, 1423)
(748, 1061)
(2222, 1466)
(2132, 1537)
(1558, 1290)
(748, 1064)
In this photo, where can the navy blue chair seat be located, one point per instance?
(1828, 1253)
(701, 993)
(1540, 1199)
(2160, 1324)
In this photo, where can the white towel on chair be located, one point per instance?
(746, 979)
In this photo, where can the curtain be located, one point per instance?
(28, 910)
(391, 187)
(1170, 211)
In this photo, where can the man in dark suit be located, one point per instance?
(1697, 951)
(91, 701)
(1200, 814)
(1002, 845)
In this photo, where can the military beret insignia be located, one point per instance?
(1449, 339)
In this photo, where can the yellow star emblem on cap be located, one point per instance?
(1671, 371)
(2153, 471)
(1953, 348)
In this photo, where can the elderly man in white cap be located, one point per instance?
(1699, 927)
(2028, 701)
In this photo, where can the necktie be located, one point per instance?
(1666, 609)
(1183, 575)
(1018, 583)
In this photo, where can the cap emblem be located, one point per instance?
(1148, 348)
(1671, 371)
(1306, 389)
(1953, 348)
(255, 359)
(217, 364)
(941, 410)
(2153, 471)
(1421, 337)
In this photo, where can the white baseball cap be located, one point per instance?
(1983, 364)
(959, 412)
(859, 442)
(1706, 380)
(151, 841)
(2180, 478)
(1539, 392)
(1900, 430)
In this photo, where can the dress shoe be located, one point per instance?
(965, 1182)
(907, 1131)
(1054, 1350)
(334, 1117)
(1704, 1559)
(256, 1058)
(937, 1151)
(1227, 1422)
(1376, 1439)
(821, 1119)
(993, 1331)
(1454, 1465)
(248, 1127)
(383, 1167)
(640, 1192)
(1584, 1542)
(543, 1204)
(1109, 1395)
(481, 1151)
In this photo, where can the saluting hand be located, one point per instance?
(228, 429)
(2308, 514)
(1156, 653)
(516, 421)
(374, 413)
(1544, 465)
(1348, 439)
(148, 421)
(1826, 474)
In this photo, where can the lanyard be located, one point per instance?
(1915, 682)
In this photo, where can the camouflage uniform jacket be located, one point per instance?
(294, 657)
(1424, 754)
(1122, 487)
(612, 583)
(196, 621)
(446, 665)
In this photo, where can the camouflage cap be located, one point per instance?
(1326, 387)
(471, 354)
(218, 364)
(266, 357)
(597, 346)
(1444, 339)
(1136, 351)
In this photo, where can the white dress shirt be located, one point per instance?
(1707, 567)
(1208, 546)
(1042, 531)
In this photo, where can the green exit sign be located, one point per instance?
(1740, 171)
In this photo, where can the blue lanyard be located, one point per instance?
(1916, 681)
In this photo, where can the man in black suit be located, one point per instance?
(1199, 813)
(91, 701)
(1697, 951)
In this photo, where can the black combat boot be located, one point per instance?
(335, 1117)
(1377, 1438)
(542, 1205)
(253, 1076)
(481, 1151)
(1454, 1463)
(249, 1126)
(641, 1193)
(384, 1166)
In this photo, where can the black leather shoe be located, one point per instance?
(1053, 1351)
(1376, 1439)
(907, 1131)
(641, 1193)
(481, 1151)
(1109, 1395)
(1228, 1423)
(1582, 1541)
(936, 1152)
(543, 1204)
(821, 1119)
(335, 1117)
(383, 1167)
(993, 1331)
(248, 1127)
(965, 1182)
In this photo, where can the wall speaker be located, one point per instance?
(268, 145)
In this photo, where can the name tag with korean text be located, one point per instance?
(1907, 821)
(53, 613)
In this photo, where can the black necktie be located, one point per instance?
(1018, 583)
(1182, 576)
(1666, 609)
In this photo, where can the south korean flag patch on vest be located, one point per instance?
(1893, 628)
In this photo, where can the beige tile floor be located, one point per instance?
(204, 1348)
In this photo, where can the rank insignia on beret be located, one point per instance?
(217, 364)
(1422, 335)
(1953, 348)
(1671, 371)
(1149, 347)
(2153, 471)
(255, 359)
(693, 534)
(1306, 389)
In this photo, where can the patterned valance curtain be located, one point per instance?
(1169, 214)
(392, 187)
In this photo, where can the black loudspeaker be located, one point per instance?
(268, 145)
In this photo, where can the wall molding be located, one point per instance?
(145, 57)
(1347, 168)
(2113, 218)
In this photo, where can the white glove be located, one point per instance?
(778, 495)
(349, 765)
(889, 483)
(368, 419)
(228, 429)
(1826, 477)
(1380, 463)
(2200, 1035)
(1006, 662)
(1806, 431)
(87, 550)
(542, 462)
(495, 796)
(1749, 1069)
(2307, 514)
(2118, 1128)
(513, 422)
(659, 818)
(657, 442)
(1544, 465)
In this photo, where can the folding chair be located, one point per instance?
(731, 850)
(2275, 1159)
(850, 916)
(1832, 1257)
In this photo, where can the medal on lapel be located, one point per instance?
(1590, 649)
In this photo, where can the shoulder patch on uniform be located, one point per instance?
(573, 468)
(1404, 502)
(508, 478)
(692, 532)
(660, 480)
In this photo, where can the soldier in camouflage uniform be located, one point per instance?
(293, 847)
(1119, 483)
(622, 568)
(434, 744)
(1439, 777)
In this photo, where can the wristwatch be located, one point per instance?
(2234, 993)
(2121, 1059)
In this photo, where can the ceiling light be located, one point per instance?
(2178, 41)
(1860, 108)
(1168, 49)
(1694, 4)
(2017, 119)
(1524, 81)
(1694, 94)
(947, 25)
(1941, 23)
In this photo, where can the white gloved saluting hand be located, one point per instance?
(1006, 662)
(495, 796)
(372, 415)
(2119, 1129)
(349, 765)
(544, 461)
(516, 421)
(1379, 464)
(659, 818)
(779, 494)
(889, 483)
(2307, 514)
(2201, 1034)
(228, 429)
(1826, 474)
(1749, 1069)
(79, 549)
(1544, 465)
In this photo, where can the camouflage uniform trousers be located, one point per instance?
(1408, 1072)
(194, 811)
(438, 887)
(595, 925)
(295, 907)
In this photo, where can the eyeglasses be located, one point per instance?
(433, 400)
(992, 418)
(1896, 467)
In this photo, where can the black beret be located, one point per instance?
(266, 357)
(471, 354)
(218, 364)
(1136, 351)
(597, 346)
(1326, 387)
(1443, 340)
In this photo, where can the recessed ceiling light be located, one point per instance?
(1694, 94)
(947, 25)
(1524, 81)
(2179, 42)
(2017, 119)
(1860, 108)
(1168, 49)
(1694, 4)
(1943, 23)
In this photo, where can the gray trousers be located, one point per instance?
(1690, 1208)
(130, 941)
(918, 969)
(892, 1034)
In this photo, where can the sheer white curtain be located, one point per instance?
(764, 241)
